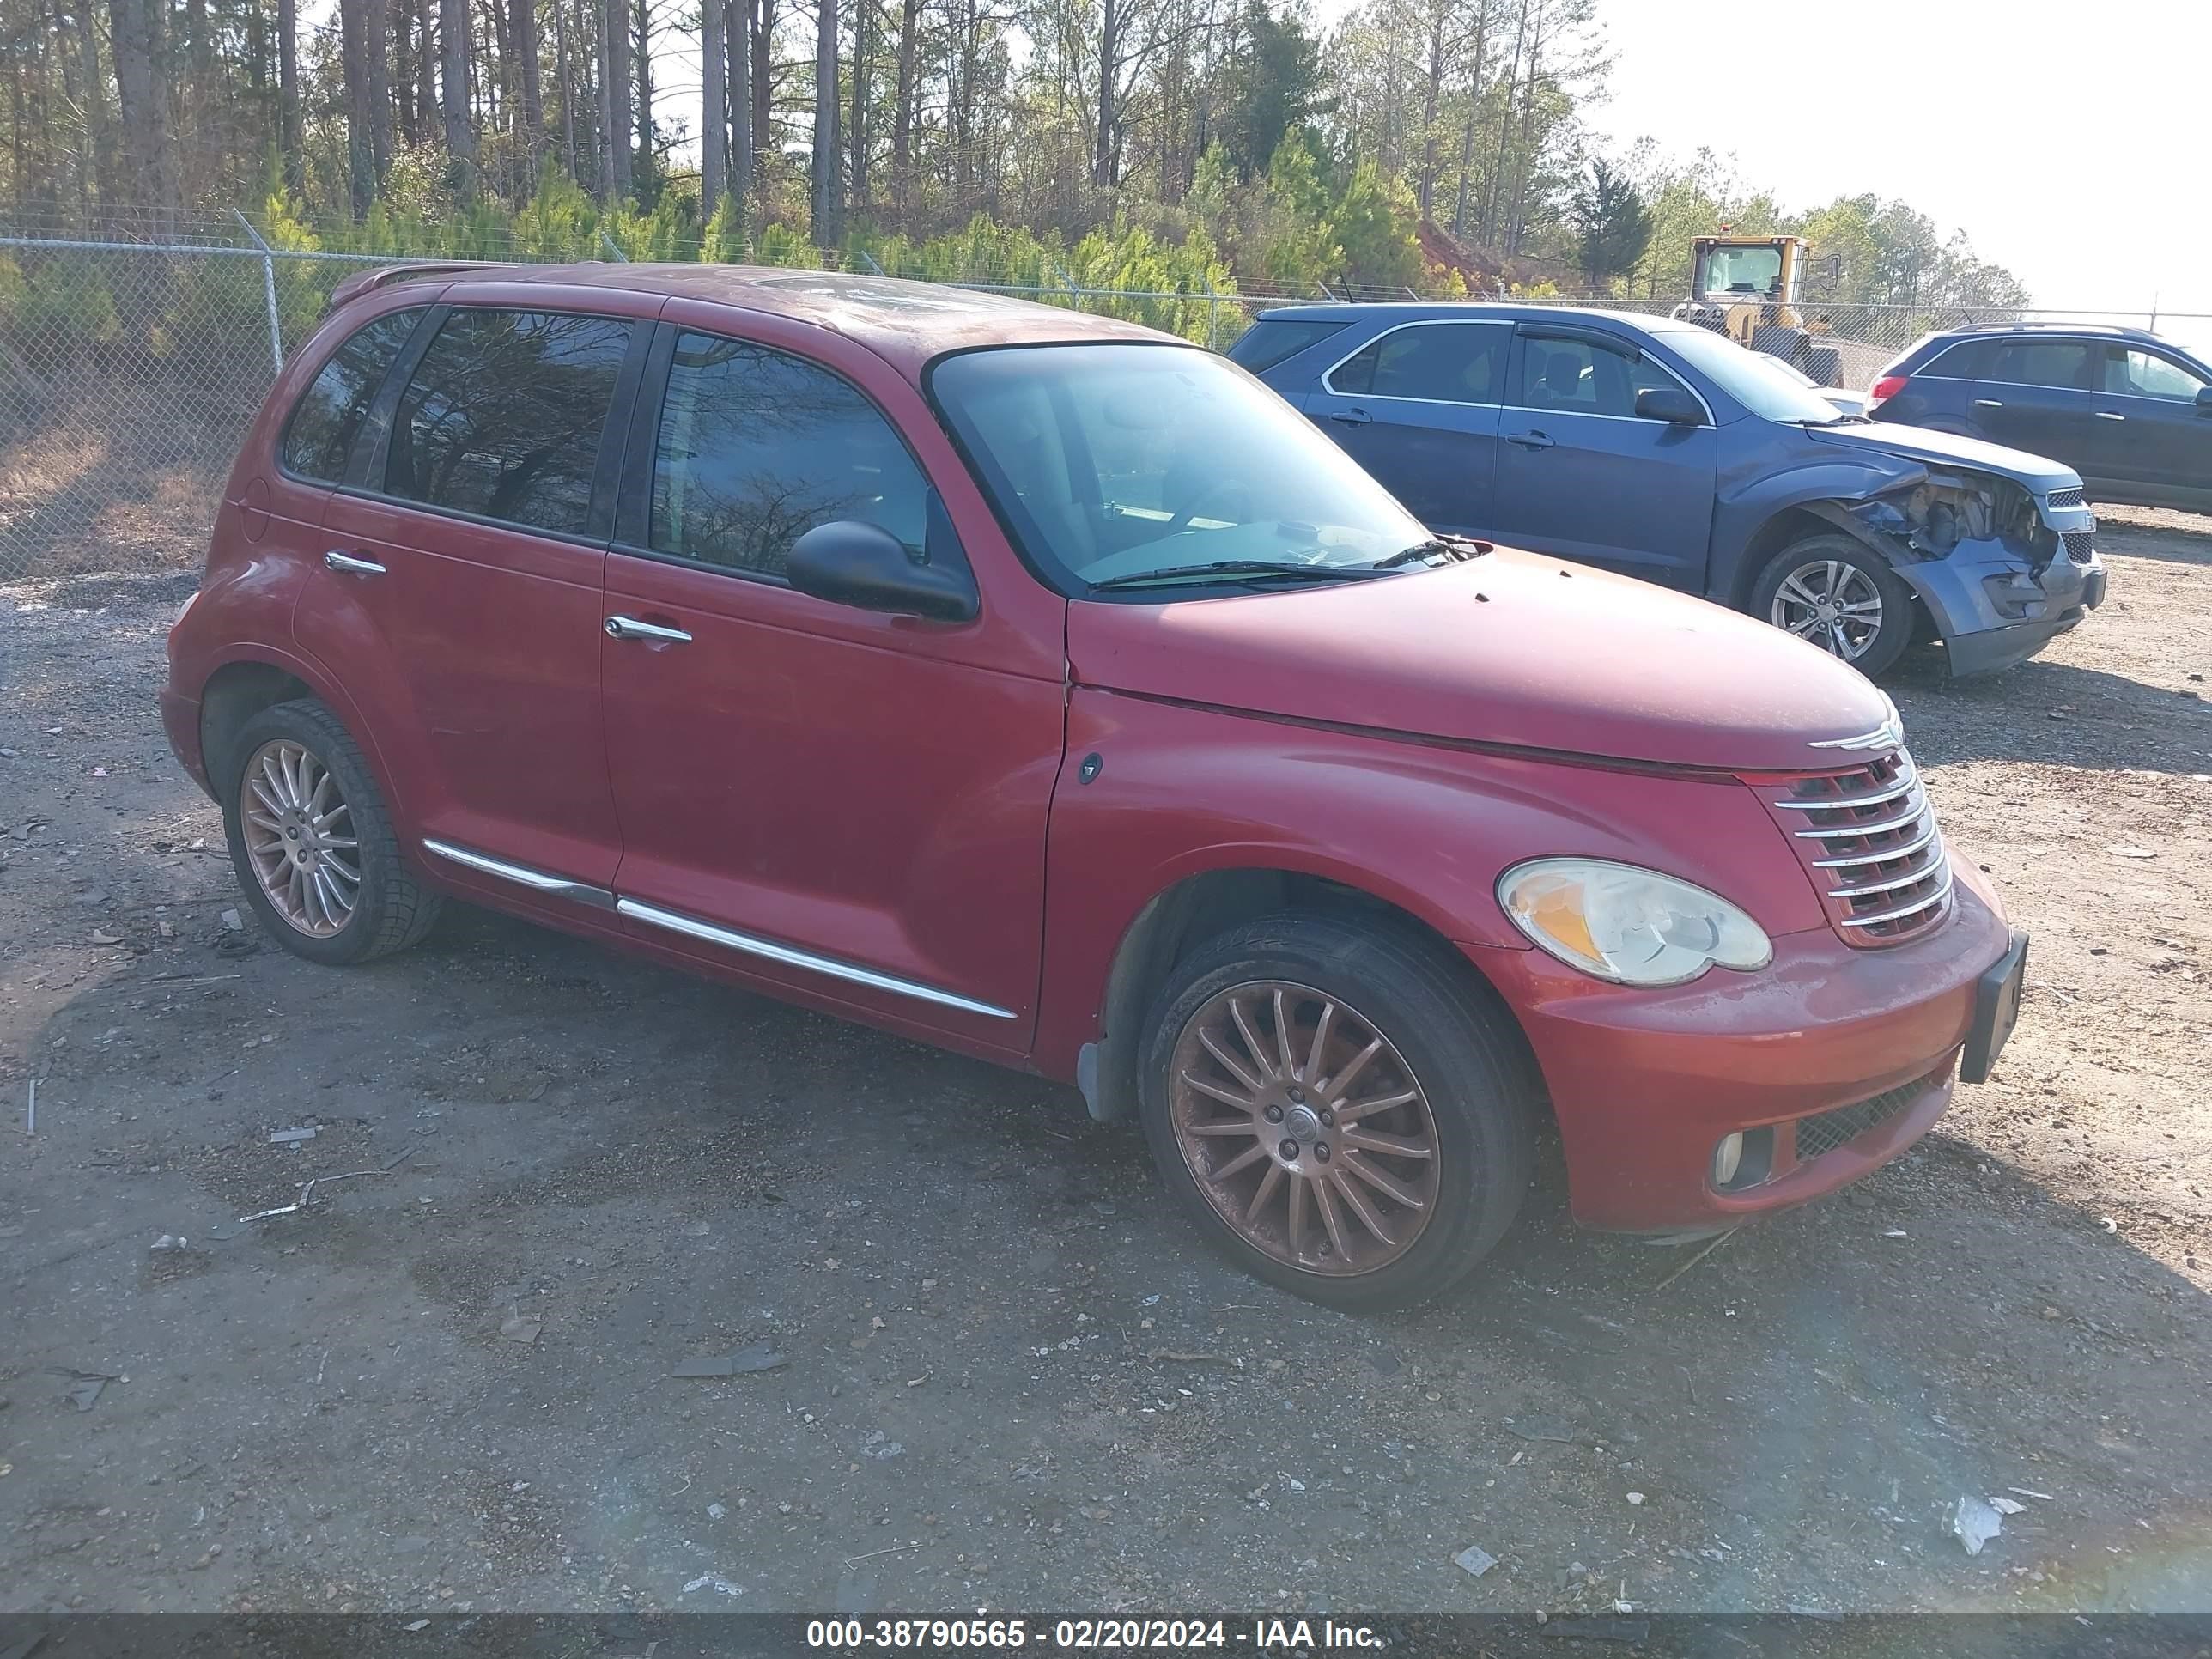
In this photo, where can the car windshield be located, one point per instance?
(1113, 462)
(1760, 383)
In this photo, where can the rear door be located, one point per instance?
(2036, 395)
(1417, 408)
(460, 596)
(2149, 432)
(1581, 475)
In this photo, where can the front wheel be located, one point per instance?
(1342, 1108)
(1831, 591)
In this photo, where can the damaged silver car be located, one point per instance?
(1658, 448)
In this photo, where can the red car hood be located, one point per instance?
(1509, 649)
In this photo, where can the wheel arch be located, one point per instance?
(1789, 525)
(245, 683)
(1198, 906)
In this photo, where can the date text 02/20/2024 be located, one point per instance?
(1098, 1635)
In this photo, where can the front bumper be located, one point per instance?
(1645, 1083)
(1993, 610)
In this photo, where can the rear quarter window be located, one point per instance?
(319, 433)
(1968, 360)
(1266, 344)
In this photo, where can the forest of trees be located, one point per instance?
(1438, 144)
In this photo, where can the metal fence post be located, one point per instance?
(1212, 311)
(268, 291)
(613, 251)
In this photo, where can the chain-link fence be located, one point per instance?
(130, 366)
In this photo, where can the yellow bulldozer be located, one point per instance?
(1747, 287)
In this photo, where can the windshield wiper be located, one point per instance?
(1453, 547)
(1247, 569)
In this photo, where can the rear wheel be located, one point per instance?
(1342, 1108)
(312, 842)
(1831, 591)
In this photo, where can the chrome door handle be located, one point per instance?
(1987, 403)
(1352, 417)
(2110, 414)
(347, 565)
(1530, 440)
(628, 628)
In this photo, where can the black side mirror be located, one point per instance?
(1670, 403)
(2204, 400)
(864, 565)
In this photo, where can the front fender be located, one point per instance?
(1751, 499)
(1181, 792)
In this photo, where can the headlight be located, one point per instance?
(1633, 926)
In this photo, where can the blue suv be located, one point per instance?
(1660, 449)
(2131, 412)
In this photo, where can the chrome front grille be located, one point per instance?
(2064, 498)
(1868, 839)
(2079, 544)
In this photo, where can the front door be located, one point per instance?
(461, 590)
(846, 805)
(2150, 433)
(1417, 407)
(1581, 475)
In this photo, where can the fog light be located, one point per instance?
(1728, 1157)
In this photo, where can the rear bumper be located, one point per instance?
(180, 720)
(1645, 1084)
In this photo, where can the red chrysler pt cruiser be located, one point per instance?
(1044, 688)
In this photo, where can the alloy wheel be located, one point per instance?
(1304, 1128)
(299, 834)
(1831, 604)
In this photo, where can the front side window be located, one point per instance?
(2045, 362)
(319, 435)
(503, 417)
(1578, 376)
(1113, 462)
(2137, 373)
(1438, 362)
(757, 447)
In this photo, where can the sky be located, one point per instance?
(2071, 141)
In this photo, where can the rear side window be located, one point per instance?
(319, 436)
(2045, 362)
(1438, 362)
(757, 447)
(503, 417)
(1266, 344)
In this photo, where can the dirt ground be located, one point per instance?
(1008, 1376)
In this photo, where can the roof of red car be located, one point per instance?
(906, 323)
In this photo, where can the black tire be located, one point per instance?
(1894, 629)
(394, 908)
(1459, 1045)
(1824, 363)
